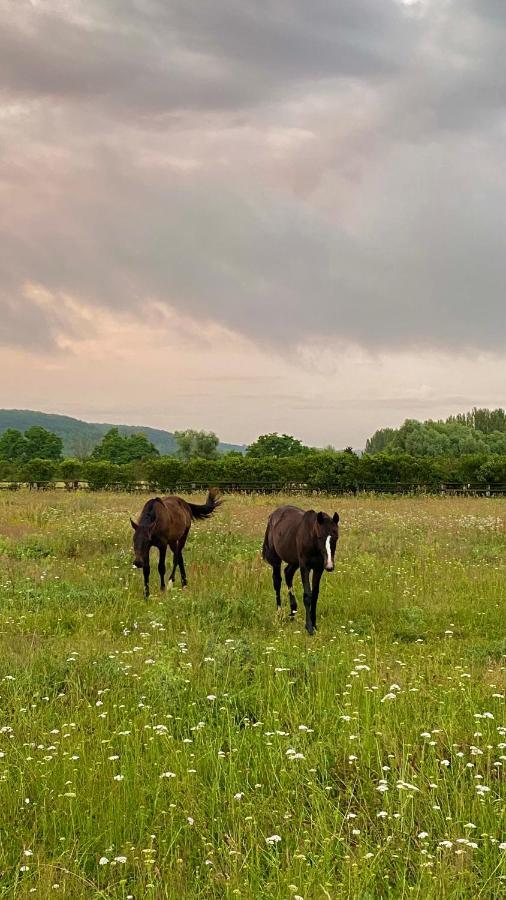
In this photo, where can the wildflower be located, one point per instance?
(103, 861)
(406, 786)
(382, 814)
(168, 775)
(239, 795)
(447, 844)
(273, 839)
(120, 859)
(422, 835)
(211, 697)
(119, 777)
(190, 820)
(389, 696)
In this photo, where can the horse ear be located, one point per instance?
(134, 525)
(335, 518)
(320, 518)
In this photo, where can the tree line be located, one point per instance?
(480, 431)
(393, 457)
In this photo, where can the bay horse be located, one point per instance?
(165, 522)
(305, 540)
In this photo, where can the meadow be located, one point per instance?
(199, 745)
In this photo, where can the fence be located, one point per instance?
(257, 487)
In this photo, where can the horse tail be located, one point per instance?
(204, 510)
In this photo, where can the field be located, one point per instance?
(198, 745)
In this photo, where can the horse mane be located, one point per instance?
(148, 514)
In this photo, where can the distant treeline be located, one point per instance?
(479, 431)
(466, 449)
(324, 470)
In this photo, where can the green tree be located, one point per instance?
(139, 447)
(70, 471)
(380, 440)
(120, 449)
(12, 445)
(275, 445)
(164, 473)
(191, 443)
(101, 474)
(42, 444)
(39, 471)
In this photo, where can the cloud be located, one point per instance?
(324, 173)
(155, 57)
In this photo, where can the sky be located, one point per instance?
(253, 215)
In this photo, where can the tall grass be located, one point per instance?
(198, 745)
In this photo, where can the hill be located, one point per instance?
(79, 438)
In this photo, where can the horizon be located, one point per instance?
(253, 221)
(222, 439)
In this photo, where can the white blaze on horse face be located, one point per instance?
(329, 553)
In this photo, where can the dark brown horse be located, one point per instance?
(305, 540)
(165, 523)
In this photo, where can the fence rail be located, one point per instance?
(258, 487)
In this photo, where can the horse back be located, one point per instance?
(281, 534)
(175, 519)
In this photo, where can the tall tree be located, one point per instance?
(120, 449)
(42, 444)
(191, 443)
(275, 445)
(380, 440)
(12, 445)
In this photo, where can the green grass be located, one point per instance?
(388, 725)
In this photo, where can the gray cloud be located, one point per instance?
(309, 171)
(156, 57)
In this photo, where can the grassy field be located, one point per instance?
(198, 745)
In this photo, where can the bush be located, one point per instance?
(38, 472)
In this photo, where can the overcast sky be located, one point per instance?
(253, 215)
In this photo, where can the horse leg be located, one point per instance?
(182, 570)
(290, 571)
(317, 574)
(145, 572)
(304, 574)
(174, 547)
(161, 567)
(277, 581)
